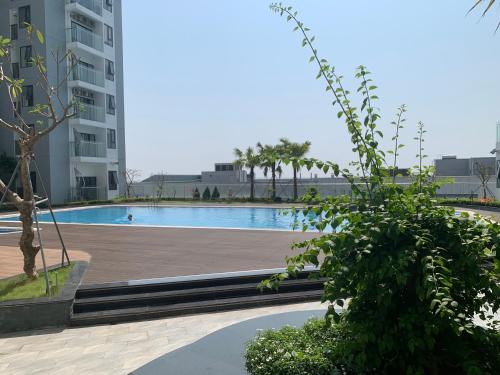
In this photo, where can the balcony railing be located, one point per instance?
(89, 38)
(93, 5)
(90, 112)
(90, 193)
(88, 149)
(89, 75)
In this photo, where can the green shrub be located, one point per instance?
(469, 202)
(196, 194)
(293, 351)
(206, 194)
(411, 275)
(215, 193)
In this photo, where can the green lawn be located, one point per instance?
(21, 286)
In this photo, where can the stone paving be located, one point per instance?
(115, 349)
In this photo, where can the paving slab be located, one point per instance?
(222, 352)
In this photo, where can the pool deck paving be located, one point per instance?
(116, 349)
(121, 253)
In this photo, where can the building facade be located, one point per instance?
(84, 158)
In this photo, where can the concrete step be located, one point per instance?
(185, 308)
(116, 301)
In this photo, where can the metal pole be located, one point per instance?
(65, 252)
(12, 178)
(35, 208)
(47, 283)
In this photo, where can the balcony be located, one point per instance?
(86, 74)
(88, 38)
(90, 112)
(93, 5)
(88, 193)
(88, 149)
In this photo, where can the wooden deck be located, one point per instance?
(126, 253)
(11, 260)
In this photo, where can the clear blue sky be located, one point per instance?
(203, 77)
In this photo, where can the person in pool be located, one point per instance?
(129, 217)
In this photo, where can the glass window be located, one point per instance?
(109, 36)
(13, 31)
(87, 137)
(110, 104)
(15, 70)
(86, 181)
(24, 16)
(27, 96)
(113, 180)
(26, 57)
(110, 70)
(112, 138)
(108, 5)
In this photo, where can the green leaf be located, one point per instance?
(40, 37)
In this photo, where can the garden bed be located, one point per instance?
(20, 313)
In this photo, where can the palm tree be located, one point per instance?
(489, 5)
(295, 151)
(270, 160)
(248, 159)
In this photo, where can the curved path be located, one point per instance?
(222, 352)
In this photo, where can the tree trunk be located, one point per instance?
(295, 193)
(26, 212)
(252, 184)
(273, 174)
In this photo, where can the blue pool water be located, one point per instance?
(211, 217)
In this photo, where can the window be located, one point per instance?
(27, 96)
(24, 16)
(15, 70)
(112, 138)
(110, 70)
(110, 104)
(13, 31)
(113, 180)
(25, 57)
(86, 181)
(109, 36)
(108, 5)
(87, 137)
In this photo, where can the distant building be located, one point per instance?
(453, 167)
(223, 173)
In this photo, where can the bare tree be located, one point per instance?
(161, 185)
(130, 177)
(484, 173)
(50, 112)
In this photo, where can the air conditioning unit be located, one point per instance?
(82, 93)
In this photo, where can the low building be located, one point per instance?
(466, 177)
(453, 166)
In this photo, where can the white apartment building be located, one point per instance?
(83, 159)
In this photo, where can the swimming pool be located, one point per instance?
(205, 217)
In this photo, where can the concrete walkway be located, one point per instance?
(116, 349)
(223, 352)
